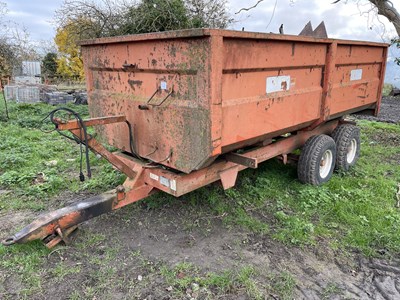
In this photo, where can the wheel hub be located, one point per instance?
(351, 151)
(326, 164)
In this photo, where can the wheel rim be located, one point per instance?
(351, 151)
(325, 164)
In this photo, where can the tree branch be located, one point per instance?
(386, 9)
(248, 8)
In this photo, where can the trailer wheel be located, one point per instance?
(347, 139)
(317, 160)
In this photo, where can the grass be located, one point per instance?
(331, 290)
(185, 276)
(35, 165)
(62, 270)
(24, 262)
(387, 88)
(282, 285)
(243, 280)
(353, 211)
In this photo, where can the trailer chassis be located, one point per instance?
(144, 179)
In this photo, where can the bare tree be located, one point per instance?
(7, 59)
(209, 13)
(3, 9)
(6, 52)
(90, 18)
(19, 37)
(15, 45)
(46, 46)
(249, 7)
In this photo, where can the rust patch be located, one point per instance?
(173, 50)
(134, 83)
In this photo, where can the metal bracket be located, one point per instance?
(70, 125)
(60, 236)
(236, 158)
(228, 177)
(146, 106)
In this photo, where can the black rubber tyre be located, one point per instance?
(347, 139)
(317, 160)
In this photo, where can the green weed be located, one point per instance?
(25, 261)
(36, 166)
(62, 270)
(387, 88)
(282, 285)
(331, 290)
(184, 276)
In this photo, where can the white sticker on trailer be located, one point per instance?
(164, 181)
(153, 176)
(173, 185)
(278, 84)
(356, 74)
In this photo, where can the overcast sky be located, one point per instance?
(348, 21)
(342, 20)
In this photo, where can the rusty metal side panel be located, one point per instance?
(121, 76)
(217, 57)
(382, 79)
(268, 86)
(357, 77)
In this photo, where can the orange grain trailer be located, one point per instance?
(188, 108)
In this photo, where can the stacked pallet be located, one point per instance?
(28, 94)
(42, 93)
(81, 98)
(57, 98)
(10, 92)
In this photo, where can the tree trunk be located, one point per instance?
(386, 9)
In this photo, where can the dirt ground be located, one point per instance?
(142, 238)
(175, 233)
(389, 113)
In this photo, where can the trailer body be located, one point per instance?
(180, 104)
(214, 91)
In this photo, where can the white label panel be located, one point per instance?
(163, 85)
(153, 176)
(164, 181)
(173, 185)
(356, 74)
(278, 84)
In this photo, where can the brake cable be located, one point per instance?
(83, 130)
